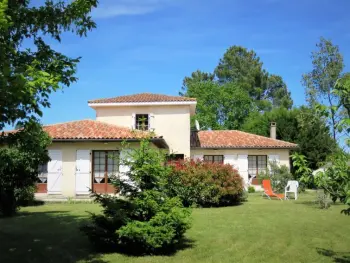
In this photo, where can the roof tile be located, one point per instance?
(235, 139)
(91, 129)
(143, 97)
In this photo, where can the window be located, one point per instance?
(42, 173)
(214, 158)
(106, 165)
(142, 122)
(256, 164)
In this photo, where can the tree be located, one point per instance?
(244, 68)
(145, 219)
(30, 70)
(25, 151)
(300, 125)
(29, 75)
(238, 86)
(320, 82)
(220, 106)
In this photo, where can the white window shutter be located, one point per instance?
(230, 159)
(124, 155)
(274, 158)
(198, 157)
(151, 121)
(243, 166)
(133, 121)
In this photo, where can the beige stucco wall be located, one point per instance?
(69, 152)
(282, 153)
(283, 156)
(170, 121)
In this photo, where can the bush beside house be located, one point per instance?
(205, 184)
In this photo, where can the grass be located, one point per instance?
(257, 231)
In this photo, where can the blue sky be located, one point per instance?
(151, 45)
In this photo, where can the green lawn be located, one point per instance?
(257, 231)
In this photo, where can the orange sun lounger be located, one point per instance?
(268, 190)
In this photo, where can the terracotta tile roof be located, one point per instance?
(90, 130)
(235, 139)
(143, 97)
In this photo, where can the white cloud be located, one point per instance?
(108, 8)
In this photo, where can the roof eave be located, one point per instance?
(159, 142)
(243, 147)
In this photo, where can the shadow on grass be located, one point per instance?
(340, 257)
(185, 243)
(51, 236)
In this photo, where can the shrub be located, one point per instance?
(25, 196)
(205, 184)
(251, 189)
(322, 200)
(145, 219)
(335, 180)
(19, 163)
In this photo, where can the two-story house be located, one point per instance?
(81, 151)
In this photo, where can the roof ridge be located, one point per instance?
(184, 98)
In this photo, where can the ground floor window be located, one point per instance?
(214, 158)
(105, 166)
(256, 164)
(42, 179)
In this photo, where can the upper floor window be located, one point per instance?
(142, 122)
(214, 158)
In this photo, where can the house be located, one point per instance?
(81, 150)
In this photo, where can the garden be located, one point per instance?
(260, 230)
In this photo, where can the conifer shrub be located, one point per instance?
(143, 219)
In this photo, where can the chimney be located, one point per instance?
(273, 130)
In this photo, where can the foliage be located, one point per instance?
(29, 75)
(220, 106)
(335, 180)
(237, 87)
(25, 196)
(30, 70)
(279, 176)
(302, 172)
(300, 125)
(251, 189)
(205, 184)
(19, 160)
(144, 219)
(320, 82)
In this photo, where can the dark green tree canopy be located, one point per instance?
(300, 125)
(238, 86)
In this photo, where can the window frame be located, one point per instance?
(106, 173)
(43, 170)
(258, 169)
(213, 158)
(138, 125)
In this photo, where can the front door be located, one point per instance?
(83, 174)
(54, 172)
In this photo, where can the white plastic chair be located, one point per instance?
(292, 187)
